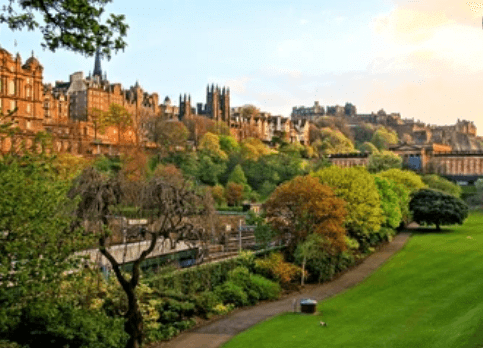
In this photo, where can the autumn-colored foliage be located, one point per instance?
(233, 193)
(303, 206)
(218, 193)
(277, 268)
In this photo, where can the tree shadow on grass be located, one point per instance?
(431, 230)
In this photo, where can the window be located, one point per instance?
(13, 105)
(28, 108)
(11, 87)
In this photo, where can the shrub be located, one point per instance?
(274, 267)
(229, 292)
(59, 325)
(323, 266)
(206, 302)
(266, 289)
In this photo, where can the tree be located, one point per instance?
(384, 160)
(36, 239)
(333, 141)
(233, 193)
(198, 126)
(304, 206)
(210, 145)
(357, 187)
(168, 134)
(172, 213)
(437, 208)
(96, 117)
(383, 138)
(73, 25)
(308, 249)
(238, 176)
(390, 202)
(218, 193)
(368, 147)
(437, 182)
(406, 183)
(119, 117)
(228, 144)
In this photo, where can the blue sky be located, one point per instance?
(422, 59)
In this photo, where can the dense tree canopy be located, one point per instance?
(437, 208)
(357, 187)
(390, 202)
(436, 182)
(36, 238)
(333, 141)
(304, 206)
(383, 138)
(73, 25)
(384, 160)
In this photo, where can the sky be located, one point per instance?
(423, 59)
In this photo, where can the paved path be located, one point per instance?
(215, 334)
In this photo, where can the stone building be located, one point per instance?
(21, 89)
(308, 113)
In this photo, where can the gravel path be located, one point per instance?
(215, 334)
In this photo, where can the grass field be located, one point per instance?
(428, 295)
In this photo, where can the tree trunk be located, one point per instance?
(134, 321)
(438, 227)
(303, 271)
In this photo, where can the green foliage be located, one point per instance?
(265, 288)
(228, 144)
(209, 169)
(363, 133)
(384, 160)
(436, 182)
(406, 182)
(383, 138)
(333, 141)
(206, 302)
(210, 145)
(437, 208)
(229, 292)
(196, 279)
(75, 25)
(368, 147)
(390, 202)
(47, 324)
(264, 233)
(36, 239)
(238, 176)
(357, 187)
(109, 165)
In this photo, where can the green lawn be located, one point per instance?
(428, 295)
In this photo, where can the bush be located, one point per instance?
(205, 303)
(266, 289)
(324, 267)
(229, 292)
(53, 325)
(274, 267)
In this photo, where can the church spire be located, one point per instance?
(97, 64)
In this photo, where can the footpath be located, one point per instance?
(215, 334)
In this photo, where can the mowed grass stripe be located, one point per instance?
(428, 295)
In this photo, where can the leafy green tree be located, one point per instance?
(437, 208)
(390, 202)
(384, 160)
(264, 234)
(228, 144)
(333, 141)
(363, 133)
(383, 138)
(210, 145)
(307, 250)
(437, 182)
(209, 169)
(357, 187)
(73, 25)
(406, 183)
(36, 238)
(238, 176)
(368, 147)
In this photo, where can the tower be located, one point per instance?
(97, 65)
